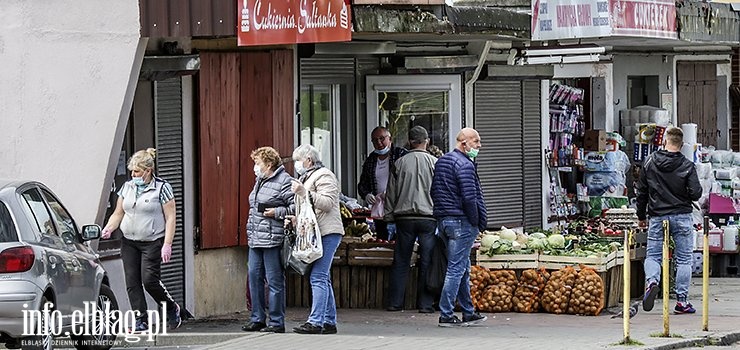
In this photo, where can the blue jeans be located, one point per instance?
(323, 305)
(265, 263)
(680, 227)
(458, 235)
(407, 231)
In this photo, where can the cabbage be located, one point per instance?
(507, 234)
(517, 246)
(537, 243)
(504, 247)
(556, 241)
(538, 235)
(522, 239)
(488, 240)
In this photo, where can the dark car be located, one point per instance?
(45, 260)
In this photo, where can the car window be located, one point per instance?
(40, 212)
(7, 228)
(64, 223)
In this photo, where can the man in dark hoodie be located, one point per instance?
(668, 184)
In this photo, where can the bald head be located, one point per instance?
(468, 138)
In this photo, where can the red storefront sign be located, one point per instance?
(645, 18)
(275, 22)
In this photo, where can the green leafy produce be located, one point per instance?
(556, 241)
(488, 240)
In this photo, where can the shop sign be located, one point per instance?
(276, 22)
(569, 19)
(644, 18)
(574, 19)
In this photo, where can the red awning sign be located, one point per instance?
(275, 22)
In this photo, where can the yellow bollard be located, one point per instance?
(626, 293)
(705, 277)
(666, 280)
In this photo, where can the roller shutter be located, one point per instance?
(507, 116)
(168, 134)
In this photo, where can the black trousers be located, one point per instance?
(141, 265)
(407, 232)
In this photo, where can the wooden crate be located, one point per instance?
(370, 254)
(340, 256)
(507, 261)
(552, 262)
(359, 287)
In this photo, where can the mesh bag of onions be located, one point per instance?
(529, 290)
(588, 293)
(558, 289)
(497, 297)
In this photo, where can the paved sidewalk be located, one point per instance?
(378, 329)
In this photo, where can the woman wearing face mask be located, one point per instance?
(145, 212)
(322, 188)
(270, 202)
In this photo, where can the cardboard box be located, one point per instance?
(594, 140)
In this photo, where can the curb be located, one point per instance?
(710, 340)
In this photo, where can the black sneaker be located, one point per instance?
(684, 308)
(393, 308)
(450, 322)
(307, 328)
(140, 326)
(329, 329)
(273, 329)
(253, 326)
(473, 319)
(648, 300)
(173, 317)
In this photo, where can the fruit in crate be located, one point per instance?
(357, 230)
(346, 213)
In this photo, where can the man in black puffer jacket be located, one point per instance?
(668, 184)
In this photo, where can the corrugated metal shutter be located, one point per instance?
(327, 70)
(498, 119)
(168, 124)
(532, 135)
(508, 119)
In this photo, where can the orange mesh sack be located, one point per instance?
(479, 280)
(588, 293)
(496, 298)
(558, 289)
(528, 292)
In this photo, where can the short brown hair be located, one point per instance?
(674, 135)
(267, 155)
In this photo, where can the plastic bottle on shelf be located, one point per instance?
(729, 236)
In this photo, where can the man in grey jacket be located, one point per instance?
(409, 205)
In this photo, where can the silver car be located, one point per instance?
(45, 258)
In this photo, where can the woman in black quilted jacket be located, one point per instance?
(269, 203)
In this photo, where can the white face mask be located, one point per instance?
(299, 167)
(258, 171)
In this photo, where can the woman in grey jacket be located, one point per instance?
(269, 203)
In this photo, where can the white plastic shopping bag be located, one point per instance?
(307, 246)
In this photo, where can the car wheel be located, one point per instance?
(99, 340)
(43, 340)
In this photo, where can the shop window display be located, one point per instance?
(400, 111)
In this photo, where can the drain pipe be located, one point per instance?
(469, 83)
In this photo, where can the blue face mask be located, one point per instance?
(139, 181)
(382, 152)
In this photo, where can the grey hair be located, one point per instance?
(306, 151)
